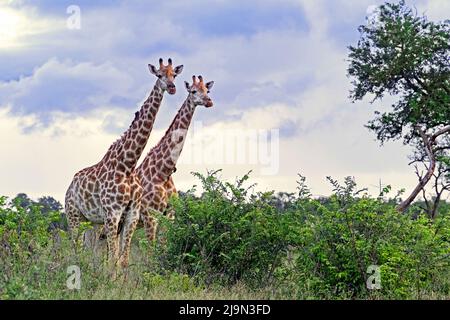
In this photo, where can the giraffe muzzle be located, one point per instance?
(171, 89)
(209, 103)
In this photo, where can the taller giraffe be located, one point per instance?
(155, 172)
(103, 192)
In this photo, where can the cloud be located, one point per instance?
(65, 86)
(437, 10)
(77, 78)
(19, 25)
(249, 69)
(43, 163)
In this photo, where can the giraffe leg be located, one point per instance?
(150, 225)
(129, 226)
(170, 215)
(163, 207)
(169, 211)
(171, 191)
(111, 226)
(92, 238)
(74, 218)
(156, 204)
(130, 220)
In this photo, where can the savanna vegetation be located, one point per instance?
(234, 243)
(229, 241)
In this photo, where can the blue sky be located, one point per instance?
(66, 95)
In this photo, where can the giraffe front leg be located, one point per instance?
(111, 226)
(93, 239)
(150, 225)
(171, 191)
(129, 226)
(168, 209)
(74, 218)
(170, 215)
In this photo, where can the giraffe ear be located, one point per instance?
(209, 85)
(186, 84)
(178, 69)
(152, 69)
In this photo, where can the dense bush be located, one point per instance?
(339, 241)
(338, 246)
(24, 228)
(231, 242)
(317, 248)
(25, 233)
(226, 235)
(34, 257)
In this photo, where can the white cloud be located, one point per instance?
(65, 86)
(18, 26)
(43, 163)
(436, 10)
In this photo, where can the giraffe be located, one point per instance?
(155, 171)
(102, 193)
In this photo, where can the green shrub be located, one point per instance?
(24, 229)
(226, 235)
(234, 243)
(340, 240)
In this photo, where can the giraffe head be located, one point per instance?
(198, 91)
(166, 75)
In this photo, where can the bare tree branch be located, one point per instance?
(428, 143)
(440, 132)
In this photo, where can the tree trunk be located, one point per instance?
(428, 142)
(422, 182)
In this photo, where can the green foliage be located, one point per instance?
(233, 243)
(226, 235)
(24, 229)
(34, 258)
(339, 241)
(310, 248)
(403, 55)
(26, 233)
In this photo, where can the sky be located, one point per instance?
(73, 73)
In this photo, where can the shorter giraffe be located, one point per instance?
(155, 172)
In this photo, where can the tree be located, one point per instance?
(440, 186)
(49, 204)
(440, 178)
(407, 57)
(23, 200)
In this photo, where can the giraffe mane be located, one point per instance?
(122, 136)
(168, 130)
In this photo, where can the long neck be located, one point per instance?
(164, 156)
(126, 151)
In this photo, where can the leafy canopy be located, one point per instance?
(403, 55)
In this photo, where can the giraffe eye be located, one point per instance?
(194, 91)
(159, 76)
(207, 91)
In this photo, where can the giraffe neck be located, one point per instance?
(125, 152)
(165, 154)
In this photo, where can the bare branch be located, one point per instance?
(428, 143)
(440, 132)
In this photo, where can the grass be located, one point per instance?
(224, 249)
(44, 276)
